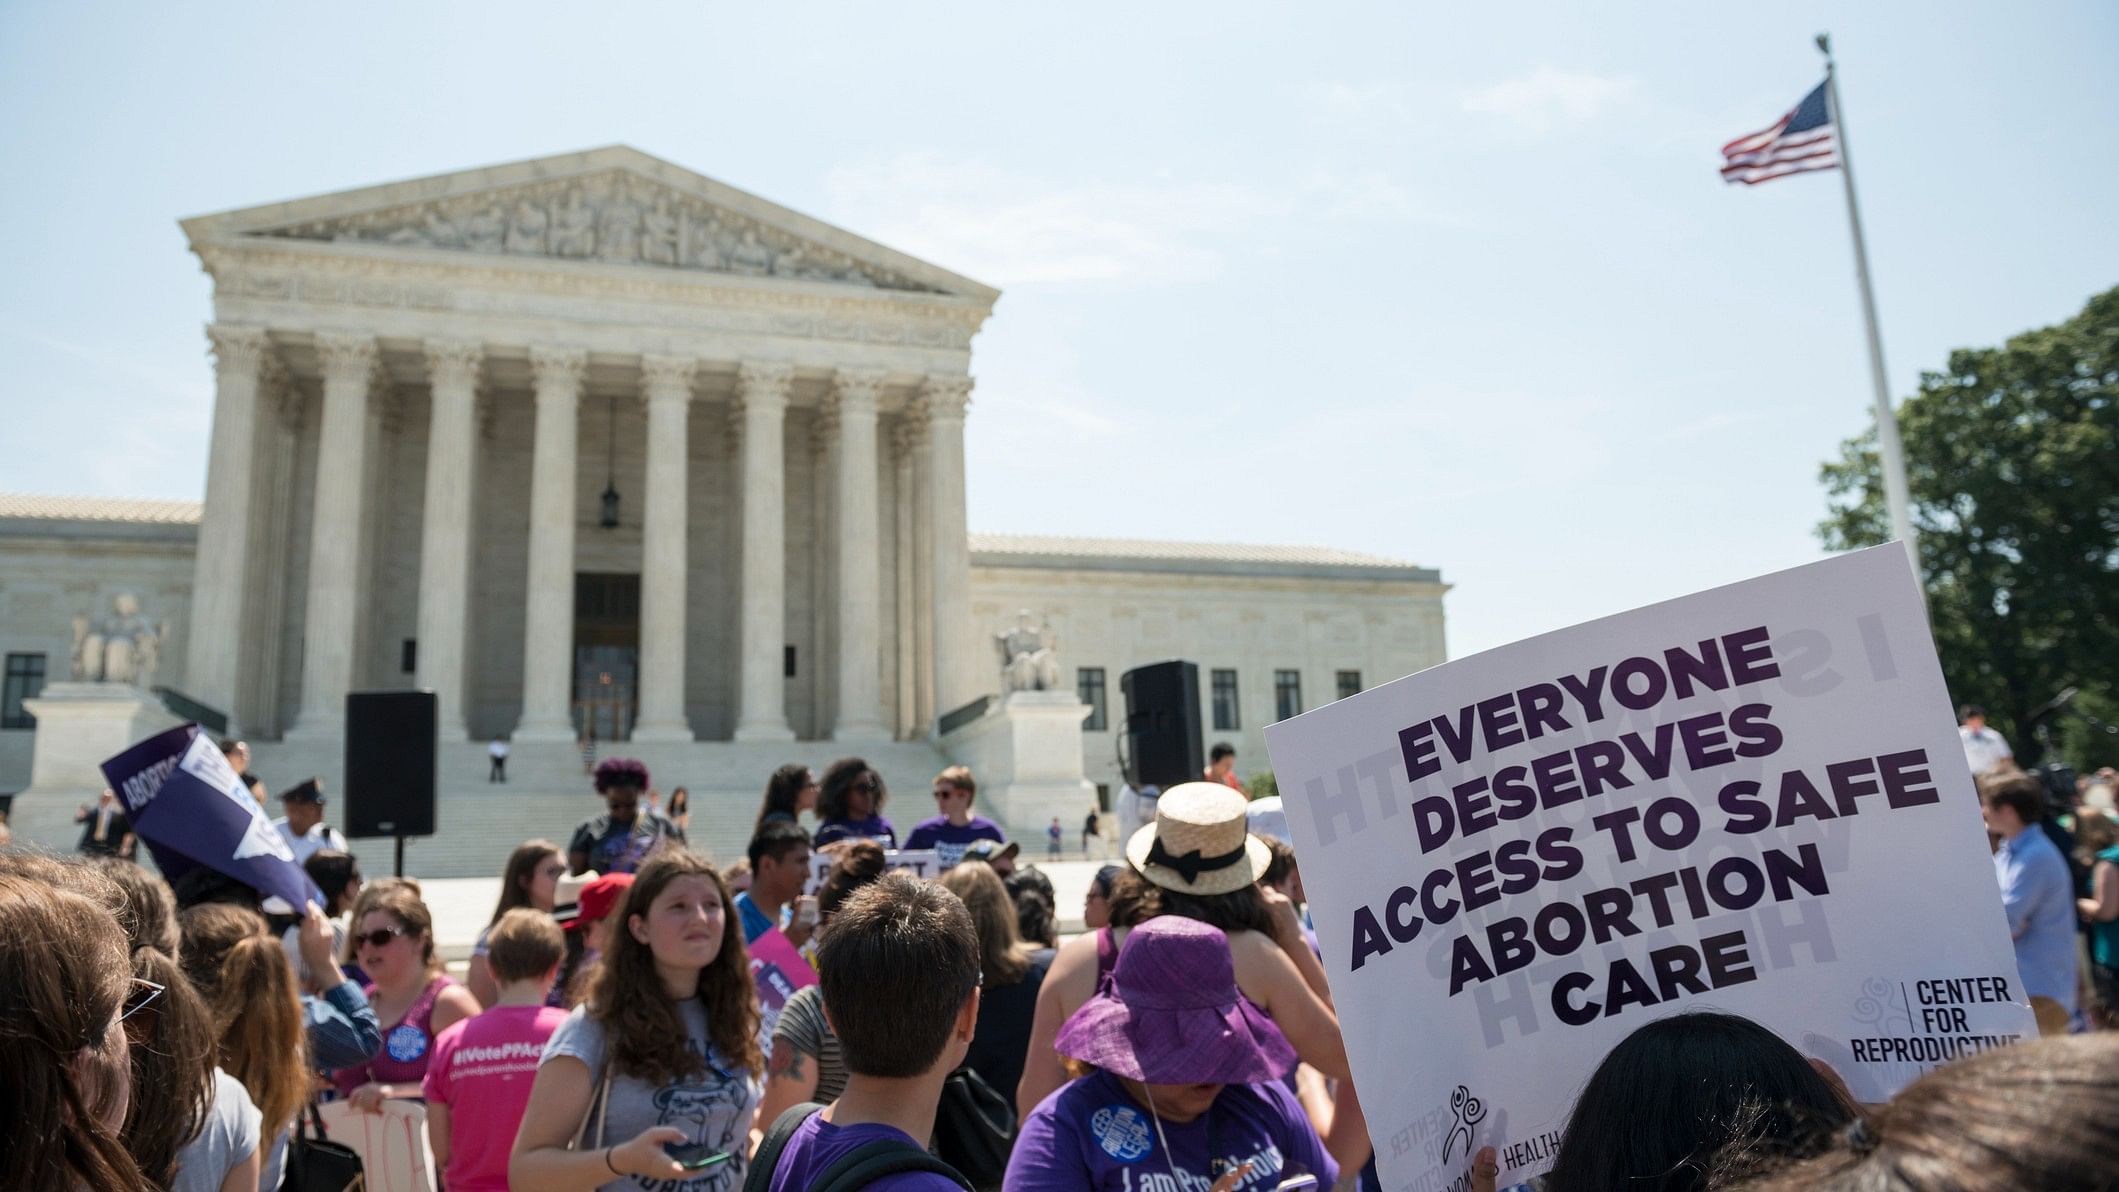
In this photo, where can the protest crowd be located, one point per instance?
(638, 1016)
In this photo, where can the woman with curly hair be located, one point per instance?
(851, 805)
(664, 1051)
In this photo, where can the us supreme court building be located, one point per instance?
(594, 445)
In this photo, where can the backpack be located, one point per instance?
(856, 1169)
(974, 1129)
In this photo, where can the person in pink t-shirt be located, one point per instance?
(478, 1080)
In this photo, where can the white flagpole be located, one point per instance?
(1887, 441)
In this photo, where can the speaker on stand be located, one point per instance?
(1162, 737)
(390, 765)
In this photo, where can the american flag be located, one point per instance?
(1803, 140)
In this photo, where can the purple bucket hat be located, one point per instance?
(1173, 1014)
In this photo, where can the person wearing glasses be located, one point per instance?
(948, 833)
(65, 992)
(851, 805)
(413, 998)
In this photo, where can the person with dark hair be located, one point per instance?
(1984, 749)
(779, 865)
(303, 826)
(2037, 891)
(479, 1081)
(805, 1063)
(530, 880)
(1036, 917)
(69, 1008)
(2038, 1115)
(624, 836)
(1221, 767)
(680, 811)
(664, 1052)
(1186, 1080)
(900, 979)
(1198, 860)
(791, 791)
(1096, 905)
(948, 832)
(851, 805)
(338, 876)
(1673, 1095)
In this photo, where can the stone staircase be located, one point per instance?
(548, 794)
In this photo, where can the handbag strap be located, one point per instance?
(599, 1104)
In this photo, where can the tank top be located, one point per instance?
(1106, 957)
(406, 1046)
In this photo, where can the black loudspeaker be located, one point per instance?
(1162, 724)
(390, 763)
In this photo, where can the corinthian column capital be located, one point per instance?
(856, 390)
(453, 363)
(238, 349)
(764, 385)
(667, 377)
(945, 396)
(348, 358)
(561, 367)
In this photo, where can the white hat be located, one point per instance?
(1200, 842)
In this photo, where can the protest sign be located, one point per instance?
(1752, 799)
(779, 970)
(392, 1144)
(192, 809)
(921, 863)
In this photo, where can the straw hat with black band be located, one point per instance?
(1200, 842)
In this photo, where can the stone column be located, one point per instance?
(445, 528)
(761, 710)
(915, 578)
(331, 619)
(221, 566)
(548, 621)
(860, 569)
(956, 681)
(666, 385)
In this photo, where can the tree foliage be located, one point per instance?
(2012, 459)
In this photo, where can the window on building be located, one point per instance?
(1349, 683)
(408, 656)
(787, 663)
(25, 680)
(1089, 685)
(1227, 715)
(1287, 693)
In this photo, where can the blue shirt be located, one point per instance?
(342, 1029)
(755, 922)
(2039, 895)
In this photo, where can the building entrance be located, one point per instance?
(606, 654)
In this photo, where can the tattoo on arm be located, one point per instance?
(786, 1060)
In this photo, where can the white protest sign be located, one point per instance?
(921, 863)
(392, 1144)
(1752, 800)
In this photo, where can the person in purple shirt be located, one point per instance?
(949, 832)
(900, 975)
(1186, 1091)
(850, 804)
(2036, 889)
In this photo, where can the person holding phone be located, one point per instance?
(655, 1078)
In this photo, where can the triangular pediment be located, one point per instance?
(611, 206)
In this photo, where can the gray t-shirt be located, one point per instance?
(227, 1136)
(803, 1025)
(715, 1107)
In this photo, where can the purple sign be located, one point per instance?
(192, 810)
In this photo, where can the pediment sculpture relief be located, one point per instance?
(614, 217)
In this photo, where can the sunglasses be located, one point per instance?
(868, 786)
(380, 937)
(141, 1017)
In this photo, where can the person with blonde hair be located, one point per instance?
(1010, 970)
(241, 972)
(68, 1006)
(952, 831)
(664, 1052)
(414, 999)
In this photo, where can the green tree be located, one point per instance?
(2012, 457)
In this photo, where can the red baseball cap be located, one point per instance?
(597, 899)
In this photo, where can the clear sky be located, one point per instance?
(1457, 284)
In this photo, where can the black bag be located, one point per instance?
(974, 1129)
(855, 1169)
(317, 1164)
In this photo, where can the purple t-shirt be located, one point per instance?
(948, 841)
(875, 828)
(819, 1144)
(1091, 1134)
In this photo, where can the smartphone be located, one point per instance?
(1305, 1183)
(694, 1156)
(806, 910)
